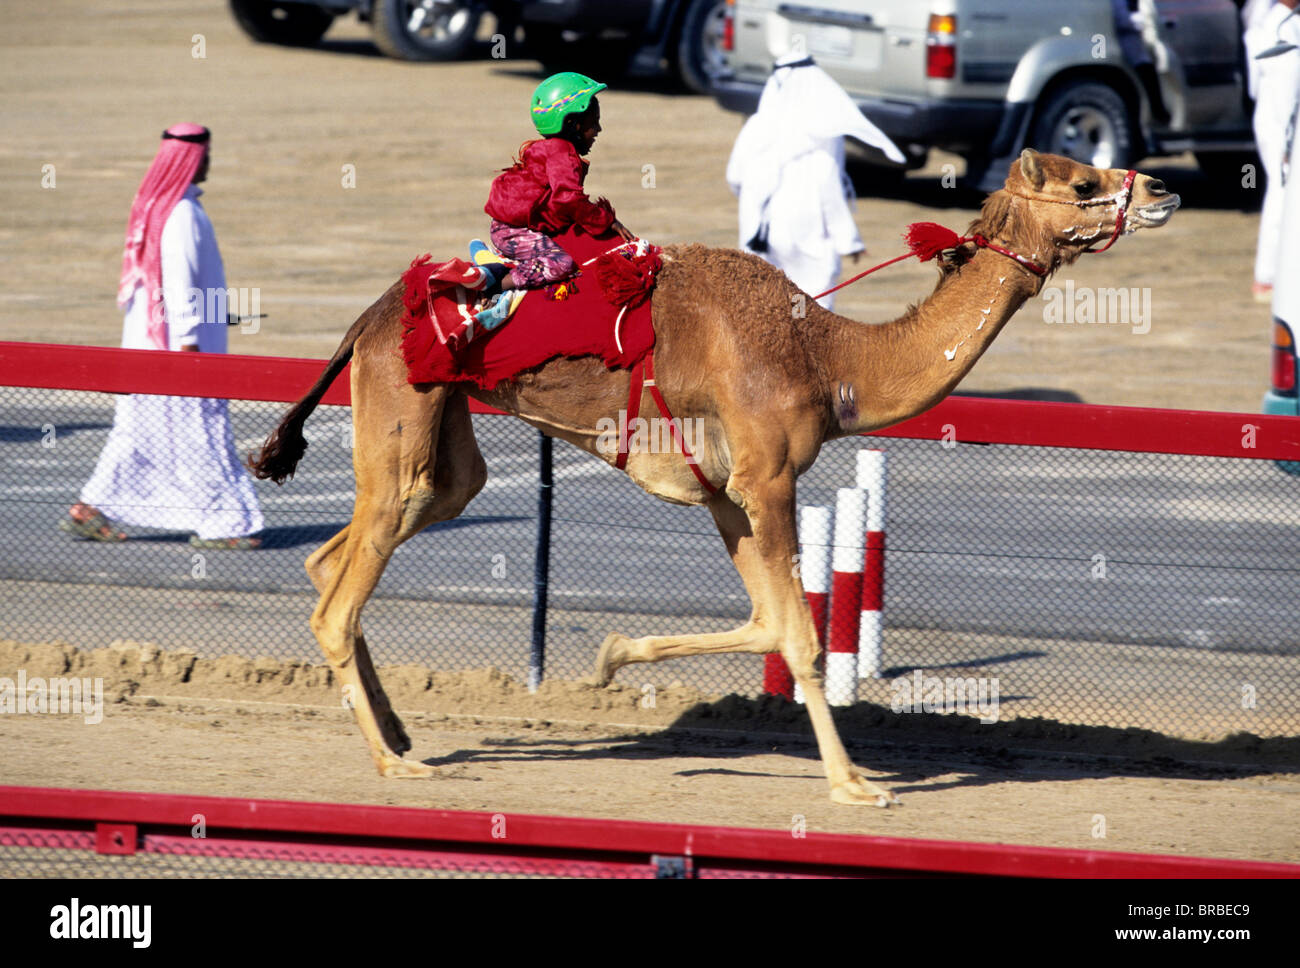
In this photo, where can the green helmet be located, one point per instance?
(559, 96)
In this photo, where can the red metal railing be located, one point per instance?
(385, 836)
(130, 823)
(971, 419)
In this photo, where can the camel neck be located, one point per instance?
(882, 374)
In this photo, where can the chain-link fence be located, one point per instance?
(1095, 587)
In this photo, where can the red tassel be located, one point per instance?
(927, 239)
(626, 281)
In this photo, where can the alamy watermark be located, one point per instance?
(919, 693)
(214, 305)
(657, 435)
(36, 695)
(1084, 304)
(75, 921)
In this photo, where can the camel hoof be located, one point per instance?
(862, 792)
(395, 768)
(606, 661)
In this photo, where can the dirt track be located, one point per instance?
(264, 729)
(87, 87)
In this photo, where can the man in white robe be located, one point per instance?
(1277, 87)
(170, 462)
(787, 166)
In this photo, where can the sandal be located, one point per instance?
(94, 528)
(226, 544)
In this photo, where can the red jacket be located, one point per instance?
(543, 192)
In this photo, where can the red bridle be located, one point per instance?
(1127, 194)
(925, 240)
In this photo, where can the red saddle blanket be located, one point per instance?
(577, 317)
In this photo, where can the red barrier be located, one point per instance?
(963, 419)
(405, 836)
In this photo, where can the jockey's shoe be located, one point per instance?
(487, 260)
(496, 312)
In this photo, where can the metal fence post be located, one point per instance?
(541, 565)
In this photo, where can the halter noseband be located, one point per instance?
(1123, 198)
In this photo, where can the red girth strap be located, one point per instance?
(633, 410)
(643, 374)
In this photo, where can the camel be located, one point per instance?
(773, 381)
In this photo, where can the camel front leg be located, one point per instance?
(763, 541)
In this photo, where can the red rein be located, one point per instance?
(925, 240)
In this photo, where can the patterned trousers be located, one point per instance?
(539, 260)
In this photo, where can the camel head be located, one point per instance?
(1053, 209)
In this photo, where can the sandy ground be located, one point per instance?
(84, 91)
(234, 727)
(86, 88)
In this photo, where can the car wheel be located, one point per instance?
(426, 30)
(700, 56)
(267, 22)
(1088, 122)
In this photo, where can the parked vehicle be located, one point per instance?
(986, 78)
(640, 37)
(406, 29)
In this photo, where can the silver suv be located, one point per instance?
(985, 78)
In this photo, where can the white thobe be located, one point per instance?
(787, 166)
(170, 462)
(1278, 88)
(810, 222)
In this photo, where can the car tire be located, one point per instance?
(449, 35)
(1086, 121)
(699, 48)
(292, 24)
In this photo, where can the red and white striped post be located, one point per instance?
(872, 480)
(815, 573)
(846, 596)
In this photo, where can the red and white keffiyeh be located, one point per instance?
(179, 157)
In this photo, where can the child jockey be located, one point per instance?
(541, 195)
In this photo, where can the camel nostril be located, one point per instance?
(1156, 187)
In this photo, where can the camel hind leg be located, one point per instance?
(416, 462)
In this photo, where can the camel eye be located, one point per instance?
(1085, 189)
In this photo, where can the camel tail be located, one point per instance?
(286, 444)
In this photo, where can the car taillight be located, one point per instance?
(1284, 358)
(941, 46)
(729, 27)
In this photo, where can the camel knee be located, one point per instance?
(337, 640)
(801, 656)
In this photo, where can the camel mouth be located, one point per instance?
(1157, 213)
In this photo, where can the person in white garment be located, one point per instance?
(1276, 89)
(787, 167)
(170, 462)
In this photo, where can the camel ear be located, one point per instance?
(1030, 168)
